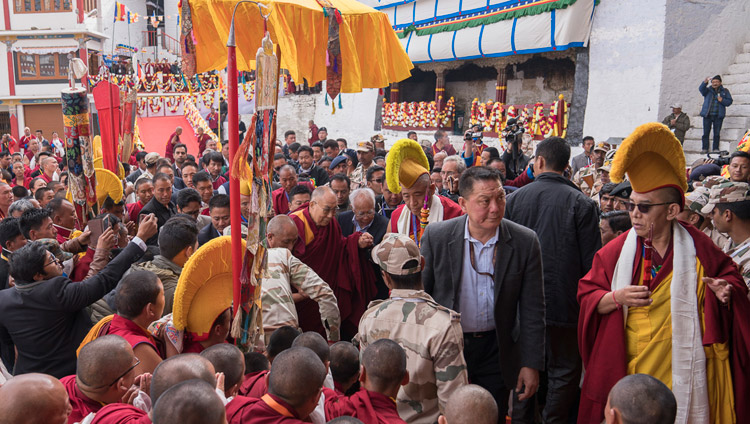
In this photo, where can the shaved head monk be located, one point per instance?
(105, 374)
(33, 399)
(256, 385)
(190, 402)
(294, 387)
(319, 345)
(640, 398)
(228, 359)
(336, 259)
(383, 373)
(345, 368)
(470, 404)
(169, 373)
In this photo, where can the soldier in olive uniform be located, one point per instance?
(430, 333)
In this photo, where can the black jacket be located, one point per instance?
(316, 173)
(162, 214)
(377, 229)
(514, 165)
(207, 234)
(47, 320)
(567, 224)
(519, 292)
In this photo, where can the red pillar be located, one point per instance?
(395, 97)
(501, 88)
(79, 6)
(8, 44)
(440, 90)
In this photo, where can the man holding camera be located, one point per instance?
(473, 146)
(716, 99)
(514, 159)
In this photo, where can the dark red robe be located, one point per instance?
(270, 410)
(121, 413)
(63, 234)
(338, 261)
(280, 201)
(81, 404)
(369, 407)
(255, 384)
(601, 338)
(450, 210)
(83, 265)
(134, 209)
(132, 332)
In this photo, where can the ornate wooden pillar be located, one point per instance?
(501, 88)
(440, 89)
(394, 93)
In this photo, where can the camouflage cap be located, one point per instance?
(602, 147)
(697, 200)
(395, 253)
(728, 192)
(54, 248)
(710, 181)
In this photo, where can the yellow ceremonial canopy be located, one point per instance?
(371, 53)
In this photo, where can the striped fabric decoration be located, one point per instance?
(121, 12)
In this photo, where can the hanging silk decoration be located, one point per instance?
(79, 153)
(128, 113)
(107, 101)
(259, 144)
(187, 40)
(334, 62)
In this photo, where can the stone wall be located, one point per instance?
(625, 66)
(701, 40)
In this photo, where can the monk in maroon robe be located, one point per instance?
(255, 384)
(383, 374)
(338, 260)
(121, 413)
(294, 387)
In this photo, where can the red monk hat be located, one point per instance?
(405, 163)
(652, 158)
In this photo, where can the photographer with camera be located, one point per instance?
(515, 161)
(473, 146)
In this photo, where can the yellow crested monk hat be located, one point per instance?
(107, 184)
(652, 158)
(204, 289)
(405, 163)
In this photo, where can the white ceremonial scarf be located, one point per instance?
(688, 357)
(436, 215)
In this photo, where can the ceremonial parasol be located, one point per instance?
(371, 54)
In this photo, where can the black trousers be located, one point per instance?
(481, 353)
(559, 390)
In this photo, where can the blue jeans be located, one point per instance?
(707, 122)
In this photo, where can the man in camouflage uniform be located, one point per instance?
(430, 333)
(286, 271)
(591, 178)
(365, 155)
(729, 207)
(704, 186)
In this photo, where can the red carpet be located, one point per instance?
(155, 133)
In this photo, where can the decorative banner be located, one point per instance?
(418, 115)
(78, 150)
(107, 100)
(129, 108)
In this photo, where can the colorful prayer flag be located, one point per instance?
(121, 12)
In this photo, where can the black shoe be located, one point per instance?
(704, 151)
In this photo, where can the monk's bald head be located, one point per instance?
(281, 339)
(315, 342)
(34, 399)
(102, 360)
(471, 404)
(323, 206)
(296, 376)
(344, 362)
(384, 362)
(345, 420)
(177, 369)
(227, 358)
(323, 193)
(280, 224)
(189, 402)
(642, 398)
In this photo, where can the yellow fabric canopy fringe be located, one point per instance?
(372, 55)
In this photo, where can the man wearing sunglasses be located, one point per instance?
(658, 298)
(47, 343)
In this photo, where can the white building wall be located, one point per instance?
(124, 33)
(625, 66)
(61, 20)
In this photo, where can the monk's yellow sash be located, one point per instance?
(648, 333)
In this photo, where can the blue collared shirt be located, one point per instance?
(476, 301)
(358, 228)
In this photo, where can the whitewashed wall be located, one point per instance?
(625, 67)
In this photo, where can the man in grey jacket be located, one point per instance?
(489, 269)
(678, 122)
(584, 159)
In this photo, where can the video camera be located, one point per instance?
(512, 131)
(720, 158)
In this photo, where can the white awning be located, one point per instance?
(45, 50)
(443, 30)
